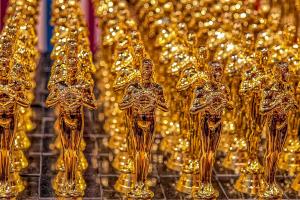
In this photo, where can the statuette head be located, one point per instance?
(216, 70)
(281, 71)
(147, 70)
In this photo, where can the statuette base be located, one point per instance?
(66, 188)
(12, 187)
(140, 191)
(205, 191)
(270, 191)
(188, 179)
(124, 184)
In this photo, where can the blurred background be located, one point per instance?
(44, 28)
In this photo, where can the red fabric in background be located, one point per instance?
(92, 25)
(3, 6)
(257, 4)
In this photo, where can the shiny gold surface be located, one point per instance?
(71, 89)
(18, 62)
(277, 101)
(188, 35)
(140, 101)
(226, 71)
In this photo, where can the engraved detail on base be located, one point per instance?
(205, 191)
(140, 191)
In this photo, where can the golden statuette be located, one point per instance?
(142, 99)
(209, 102)
(253, 81)
(70, 90)
(276, 103)
(17, 66)
(150, 99)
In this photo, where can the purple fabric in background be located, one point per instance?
(91, 25)
(3, 6)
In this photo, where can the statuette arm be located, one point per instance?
(197, 104)
(128, 98)
(267, 103)
(161, 102)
